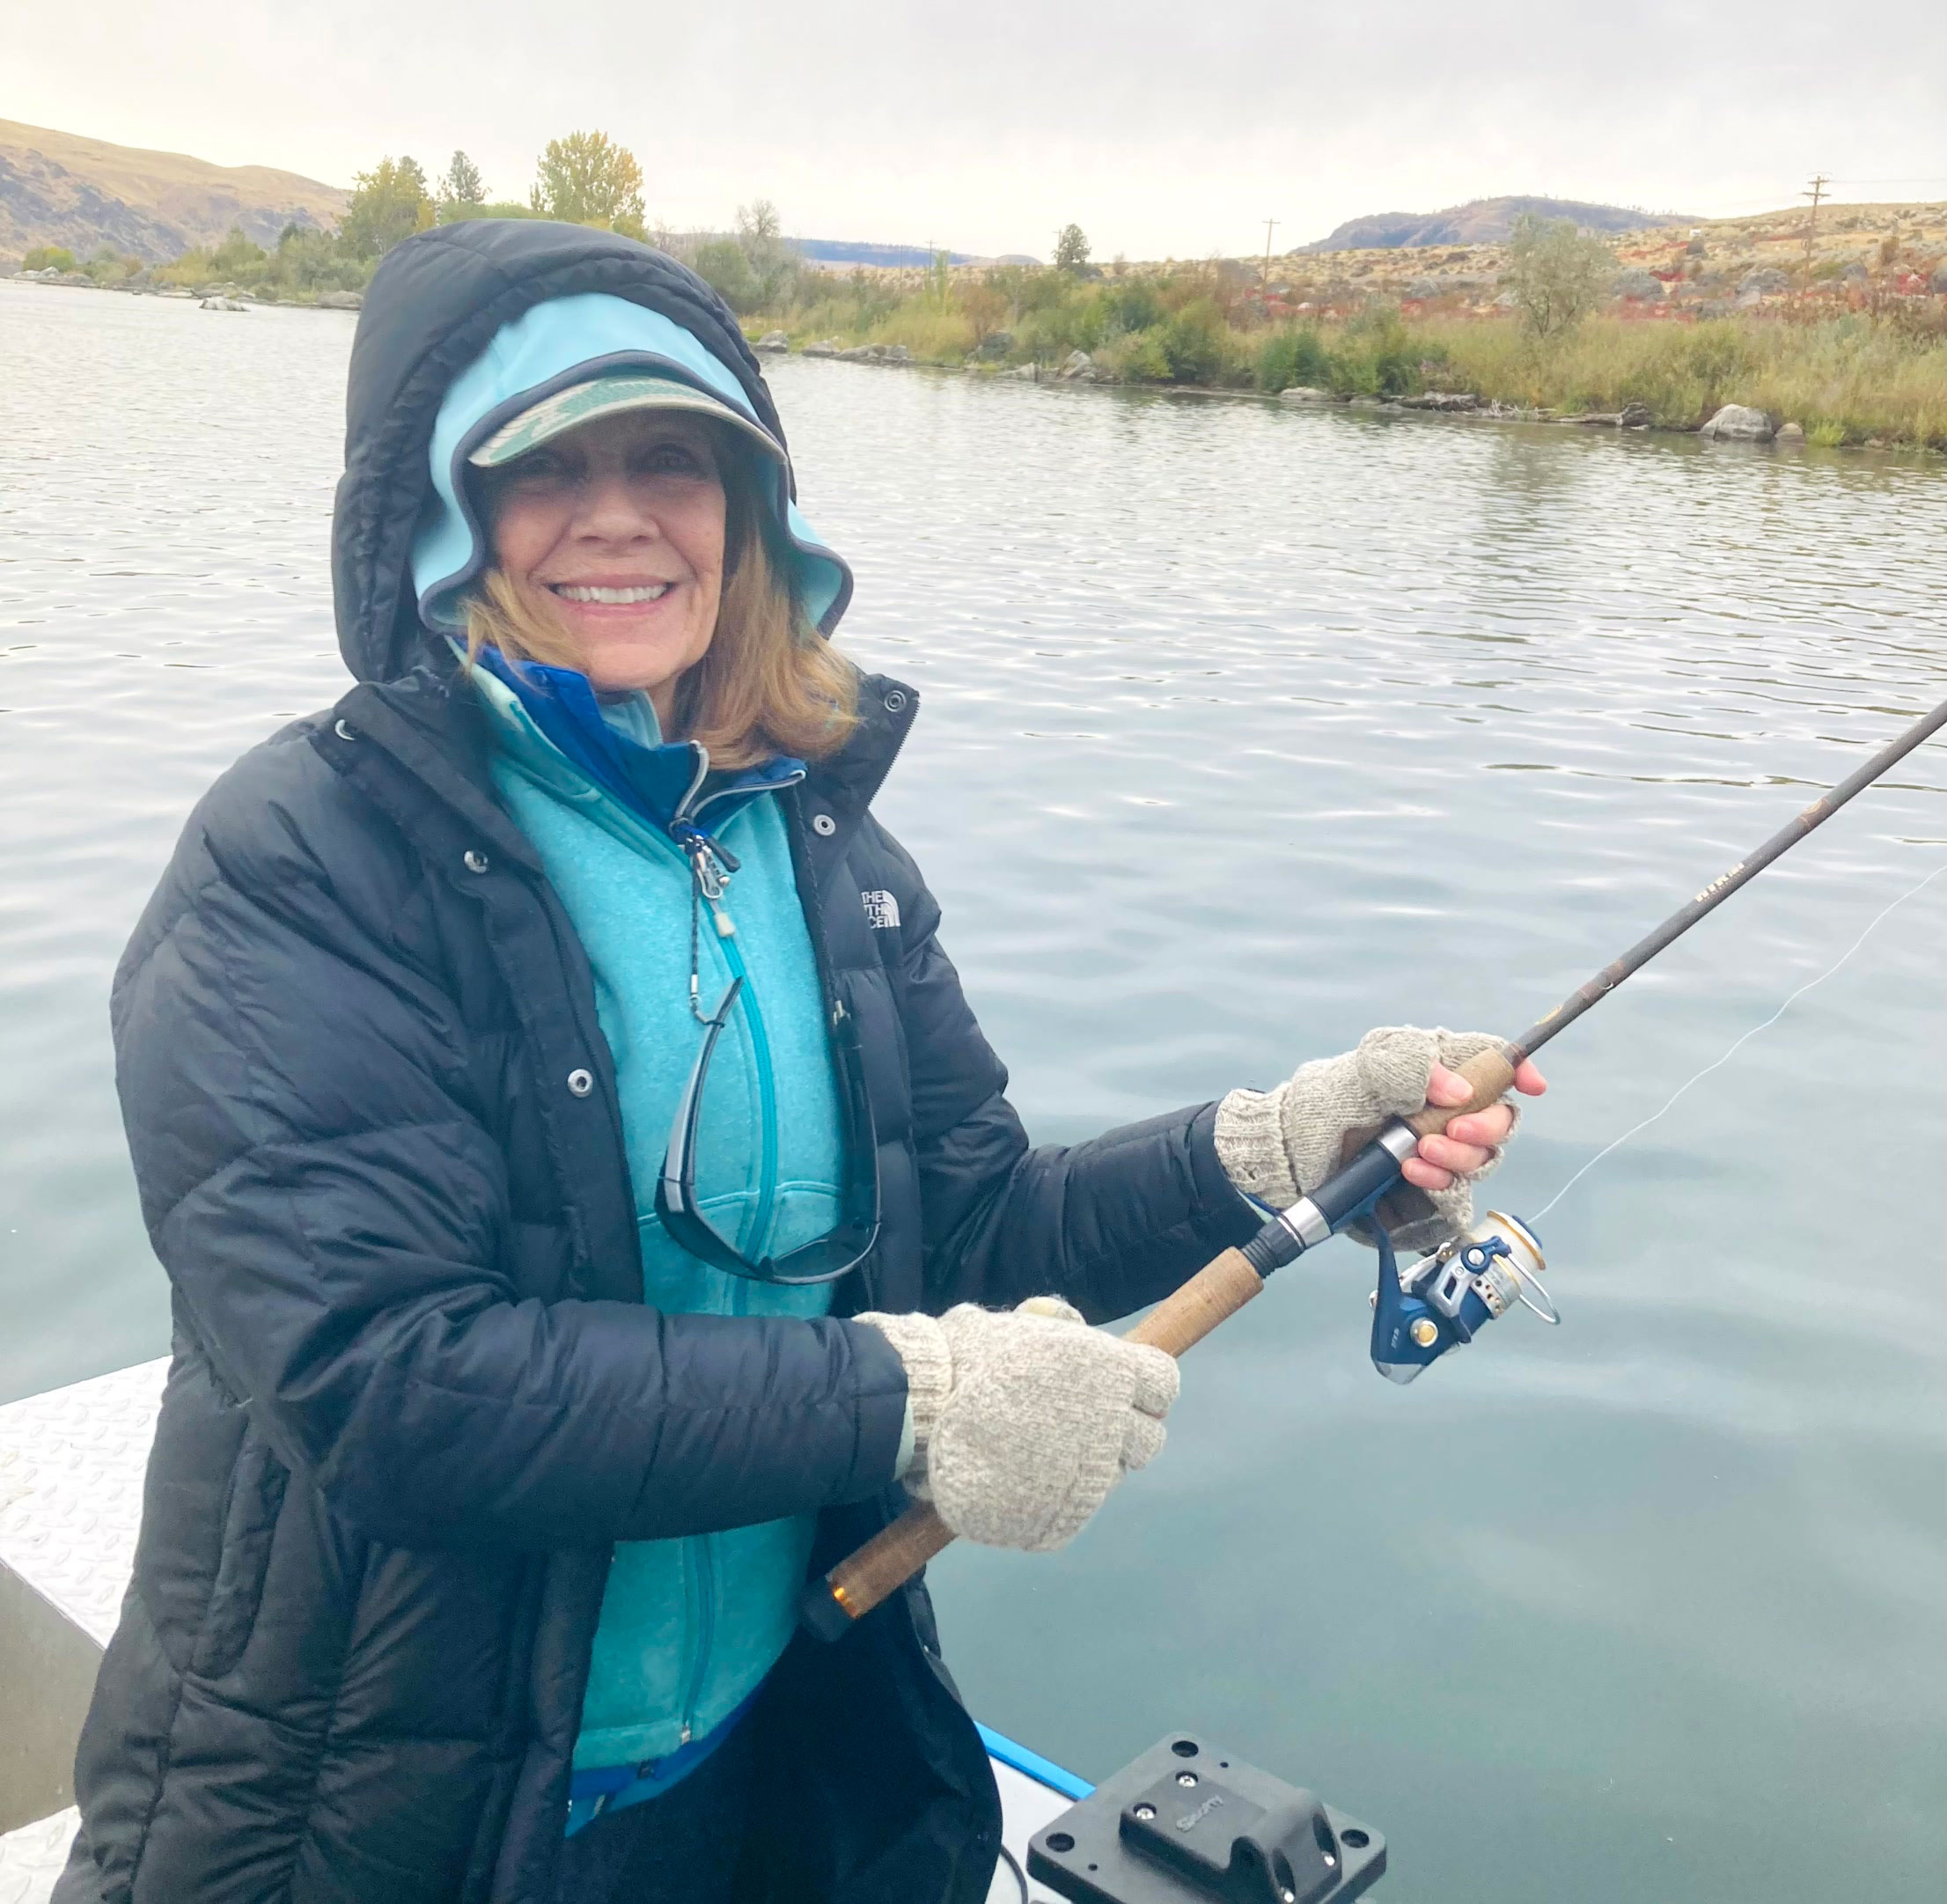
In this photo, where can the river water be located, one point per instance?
(1246, 729)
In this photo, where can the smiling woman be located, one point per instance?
(634, 546)
(538, 1334)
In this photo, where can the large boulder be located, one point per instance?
(1633, 416)
(1441, 400)
(772, 341)
(1076, 363)
(1790, 433)
(340, 300)
(823, 347)
(1638, 285)
(1738, 423)
(1937, 282)
(1304, 394)
(224, 304)
(862, 353)
(1766, 281)
(994, 346)
(895, 353)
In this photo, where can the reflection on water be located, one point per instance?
(1246, 730)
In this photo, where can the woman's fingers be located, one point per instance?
(1459, 1159)
(1528, 1081)
(1481, 1130)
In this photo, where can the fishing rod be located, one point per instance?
(1440, 1303)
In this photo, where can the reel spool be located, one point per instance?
(1449, 1297)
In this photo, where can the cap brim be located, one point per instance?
(608, 396)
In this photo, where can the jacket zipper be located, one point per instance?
(700, 1573)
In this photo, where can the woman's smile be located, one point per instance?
(610, 594)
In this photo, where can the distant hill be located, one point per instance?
(1482, 221)
(827, 252)
(60, 189)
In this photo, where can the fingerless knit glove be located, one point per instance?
(1024, 1419)
(1275, 1145)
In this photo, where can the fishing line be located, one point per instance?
(1718, 1064)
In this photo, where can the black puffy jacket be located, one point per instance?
(415, 1394)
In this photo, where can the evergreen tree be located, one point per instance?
(1071, 248)
(462, 184)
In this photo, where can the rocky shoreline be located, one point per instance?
(212, 296)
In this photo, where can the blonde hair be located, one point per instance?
(769, 683)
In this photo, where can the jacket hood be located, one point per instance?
(435, 305)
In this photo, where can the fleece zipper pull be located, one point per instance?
(711, 865)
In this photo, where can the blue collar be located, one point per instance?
(662, 781)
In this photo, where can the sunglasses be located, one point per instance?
(825, 1258)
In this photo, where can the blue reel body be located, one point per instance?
(1449, 1297)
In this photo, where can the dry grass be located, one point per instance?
(1849, 379)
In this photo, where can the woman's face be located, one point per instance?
(617, 530)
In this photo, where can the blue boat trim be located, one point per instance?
(1033, 1765)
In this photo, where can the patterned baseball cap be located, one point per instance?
(606, 396)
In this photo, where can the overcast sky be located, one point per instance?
(1165, 128)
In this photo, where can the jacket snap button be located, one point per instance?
(824, 825)
(473, 860)
(895, 701)
(342, 729)
(580, 1081)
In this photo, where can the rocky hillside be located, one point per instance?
(60, 189)
(1482, 221)
(1707, 266)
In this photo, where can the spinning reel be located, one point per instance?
(1449, 1297)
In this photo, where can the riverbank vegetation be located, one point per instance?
(1558, 328)
(1841, 329)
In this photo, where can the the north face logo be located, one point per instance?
(882, 910)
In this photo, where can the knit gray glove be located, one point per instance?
(1275, 1145)
(1024, 1419)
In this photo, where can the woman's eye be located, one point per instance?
(671, 459)
(537, 466)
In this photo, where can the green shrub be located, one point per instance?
(1827, 433)
(721, 263)
(1057, 326)
(1293, 355)
(48, 257)
(1136, 358)
(237, 257)
(1132, 304)
(1196, 343)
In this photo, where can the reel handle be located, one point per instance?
(898, 1551)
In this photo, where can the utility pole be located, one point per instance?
(1268, 224)
(1817, 193)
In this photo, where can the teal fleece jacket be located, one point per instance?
(690, 1625)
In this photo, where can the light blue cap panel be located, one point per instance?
(563, 342)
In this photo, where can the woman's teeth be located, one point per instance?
(649, 592)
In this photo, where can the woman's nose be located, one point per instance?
(615, 510)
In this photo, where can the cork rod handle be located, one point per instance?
(1213, 1295)
(896, 1552)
